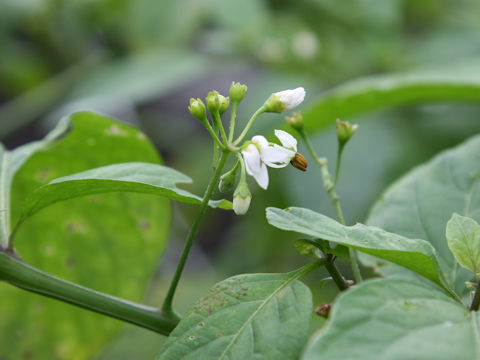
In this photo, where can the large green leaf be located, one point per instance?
(414, 254)
(420, 204)
(379, 92)
(396, 320)
(10, 162)
(253, 316)
(136, 177)
(109, 242)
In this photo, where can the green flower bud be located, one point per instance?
(241, 198)
(224, 103)
(227, 180)
(345, 131)
(237, 91)
(213, 101)
(295, 121)
(197, 109)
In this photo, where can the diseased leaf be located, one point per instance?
(253, 316)
(393, 319)
(419, 204)
(109, 242)
(10, 162)
(463, 238)
(414, 254)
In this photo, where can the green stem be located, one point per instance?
(218, 121)
(334, 198)
(213, 133)
(339, 163)
(335, 273)
(31, 279)
(476, 299)
(233, 116)
(261, 110)
(167, 304)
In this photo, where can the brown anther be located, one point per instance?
(323, 310)
(299, 162)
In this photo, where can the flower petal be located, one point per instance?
(260, 141)
(287, 140)
(255, 166)
(276, 156)
(291, 98)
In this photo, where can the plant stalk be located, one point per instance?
(334, 198)
(167, 304)
(335, 273)
(26, 277)
(261, 110)
(476, 299)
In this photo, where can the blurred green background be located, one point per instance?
(140, 61)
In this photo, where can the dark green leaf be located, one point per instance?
(414, 254)
(379, 92)
(127, 177)
(263, 316)
(420, 204)
(396, 320)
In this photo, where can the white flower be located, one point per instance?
(285, 100)
(260, 153)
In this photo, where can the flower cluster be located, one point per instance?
(255, 155)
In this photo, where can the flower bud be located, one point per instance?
(284, 100)
(213, 101)
(295, 121)
(345, 131)
(237, 91)
(299, 162)
(197, 109)
(241, 198)
(227, 180)
(224, 103)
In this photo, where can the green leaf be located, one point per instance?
(126, 177)
(379, 92)
(263, 316)
(395, 320)
(108, 242)
(10, 162)
(419, 204)
(463, 238)
(414, 254)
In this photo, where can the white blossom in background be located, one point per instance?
(260, 153)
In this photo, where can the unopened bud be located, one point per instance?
(345, 131)
(197, 109)
(227, 180)
(471, 285)
(295, 121)
(237, 91)
(224, 103)
(284, 100)
(241, 198)
(299, 162)
(213, 101)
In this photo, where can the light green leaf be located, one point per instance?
(379, 92)
(109, 242)
(420, 203)
(396, 320)
(10, 162)
(414, 254)
(463, 238)
(127, 177)
(264, 316)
